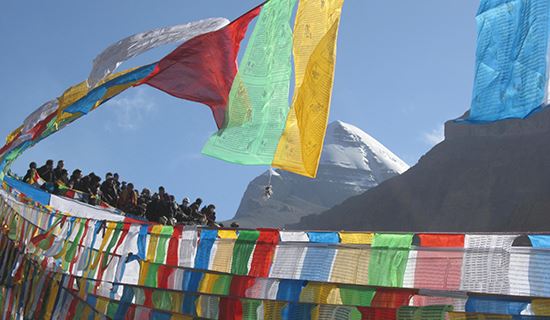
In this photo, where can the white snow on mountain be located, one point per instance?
(351, 163)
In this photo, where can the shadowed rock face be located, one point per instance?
(483, 177)
(352, 162)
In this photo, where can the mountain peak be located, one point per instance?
(351, 163)
(350, 147)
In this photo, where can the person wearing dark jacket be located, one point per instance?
(209, 213)
(197, 202)
(62, 179)
(184, 206)
(61, 182)
(94, 183)
(108, 190)
(152, 213)
(116, 178)
(194, 212)
(46, 171)
(83, 184)
(163, 195)
(58, 171)
(75, 179)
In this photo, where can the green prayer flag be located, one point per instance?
(222, 285)
(79, 308)
(12, 234)
(162, 300)
(152, 275)
(243, 250)
(114, 239)
(250, 309)
(112, 308)
(356, 296)
(258, 100)
(69, 255)
(355, 314)
(435, 312)
(388, 260)
(164, 236)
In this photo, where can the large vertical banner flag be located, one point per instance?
(203, 68)
(258, 101)
(512, 51)
(315, 34)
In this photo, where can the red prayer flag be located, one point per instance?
(442, 240)
(369, 313)
(72, 309)
(41, 126)
(163, 274)
(263, 253)
(203, 68)
(173, 246)
(148, 293)
(130, 314)
(41, 237)
(392, 298)
(230, 309)
(239, 285)
(436, 269)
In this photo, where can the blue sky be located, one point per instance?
(404, 68)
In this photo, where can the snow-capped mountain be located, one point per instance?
(351, 163)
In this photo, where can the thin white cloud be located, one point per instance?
(131, 111)
(434, 137)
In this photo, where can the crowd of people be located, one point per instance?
(159, 207)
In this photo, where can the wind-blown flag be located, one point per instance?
(112, 57)
(258, 101)
(315, 35)
(203, 68)
(511, 73)
(260, 129)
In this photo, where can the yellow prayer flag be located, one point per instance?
(79, 91)
(70, 96)
(108, 233)
(356, 237)
(317, 293)
(541, 307)
(223, 257)
(54, 288)
(13, 134)
(153, 242)
(315, 33)
(207, 283)
(476, 316)
(227, 234)
(143, 271)
(272, 309)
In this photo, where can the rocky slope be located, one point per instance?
(483, 177)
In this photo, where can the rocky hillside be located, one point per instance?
(482, 177)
